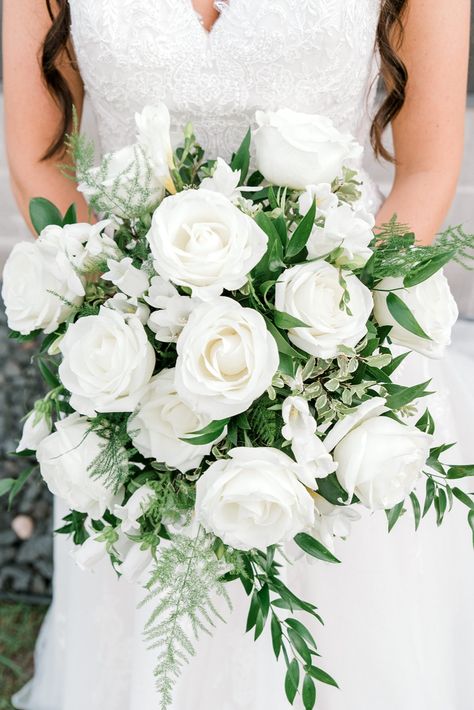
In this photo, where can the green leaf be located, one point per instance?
(253, 611)
(241, 160)
(440, 506)
(416, 509)
(48, 375)
(309, 692)
(395, 364)
(470, 520)
(460, 472)
(302, 630)
(271, 262)
(19, 483)
(464, 498)
(399, 396)
(6, 485)
(43, 213)
(283, 345)
(314, 547)
(275, 627)
(299, 645)
(322, 676)
(301, 234)
(70, 216)
(430, 494)
(286, 322)
(394, 514)
(331, 489)
(424, 271)
(426, 423)
(208, 434)
(264, 603)
(292, 680)
(402, 314)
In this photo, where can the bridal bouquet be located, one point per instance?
(222, 383)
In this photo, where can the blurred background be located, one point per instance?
(25, 529)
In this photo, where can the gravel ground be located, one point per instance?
(25, 564)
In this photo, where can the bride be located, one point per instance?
(399, 609)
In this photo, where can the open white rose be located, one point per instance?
(41, 287)
(153, 126)
(65, 457)
(309, 451)
(321, 194)
(199, 239)
(123, 274)
(107, 362)
(299, 149)
(134, 508)
(35, 429)
(346, 228)
(380, 461)
(161, 421)
(312, 293)
(124, 180)
(433, 306)
(367, 410)
(226, 358)
(253, 499)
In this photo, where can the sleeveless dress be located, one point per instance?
(398, 610)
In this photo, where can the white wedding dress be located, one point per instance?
(399, 609)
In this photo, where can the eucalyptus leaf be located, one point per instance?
(424, 271)
(292, 680)
(314, 548)
(430, 494)
(241, 160)
(416, 509)
(394, 514)
(309, 692)
(399, 396)
(301, 234)
(299, 645)
(464, 498)
(404, 317)
(286, 322)
(208, 434)
(276, 635)
(460, 472)
(322, 676)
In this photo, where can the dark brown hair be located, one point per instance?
(392, 69)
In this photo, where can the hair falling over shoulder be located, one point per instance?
(389, 36)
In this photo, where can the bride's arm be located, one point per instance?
(32, 117)
(429, 131)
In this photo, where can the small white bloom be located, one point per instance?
(223, 180)
(41, 287)
(153, 126)
(90, 554)
(65, 457)
(134, 508)
(226, 358)
(347, 229)
(253, 499)
(107, 362)
(308, 449)
(201, 240)
(433, 306)
(299, 149)
(162, 420)
(380, 461)
(126, 277)
(160, 292)
(168, 323)
(322, 194)
(35, 429)
(136, 564)
(312, 292)
(128, 307)
(332, 521)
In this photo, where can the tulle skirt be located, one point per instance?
(398, 611)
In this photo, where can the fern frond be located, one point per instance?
(185, 586)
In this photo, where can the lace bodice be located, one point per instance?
(311, 55)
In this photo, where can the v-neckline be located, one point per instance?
(198, 18)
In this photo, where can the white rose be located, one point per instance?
(226, 358)
(433, 306)
(332, 521)
(380, 461)
(128, 307)
(312, 293)
(41, 287)
(122, 181)
(65, 458)
(35, 429)
(371, 408)
(107, 362)
(309, 451)
(254, 499)
(123, 274)
(134, 508)
(153, 126)
(299, 149)
(199, 239)
(344, 227)
(162, 420)
(321, 194)
(136, 564)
